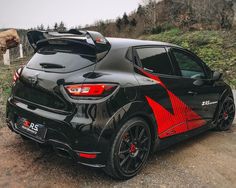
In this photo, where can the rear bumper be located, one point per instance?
(61, 136)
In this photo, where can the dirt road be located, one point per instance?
(208, 160)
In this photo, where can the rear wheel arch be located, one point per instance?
(127, 115)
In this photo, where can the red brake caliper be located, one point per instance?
(225, 115)
(132, 148)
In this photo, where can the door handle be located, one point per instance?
(192, 93)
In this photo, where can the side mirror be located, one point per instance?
(216, 76)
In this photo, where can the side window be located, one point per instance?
(189, 67)
(155, 60)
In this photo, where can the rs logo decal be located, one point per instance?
(207, 103)
(34, 127)
(31, 127)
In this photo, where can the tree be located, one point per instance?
(48, 28)
(78, 27)
(150, 12)
(100, 25)
(55, 27)
(41, 27)
(133, 22)
(125, 19)
(119, 24)
(61, 27)
(140, 10)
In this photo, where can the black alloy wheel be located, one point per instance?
(226, 116)
(130, 149)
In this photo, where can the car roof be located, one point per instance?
(126, 43)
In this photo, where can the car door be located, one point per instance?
(195, 81)
(156, 76)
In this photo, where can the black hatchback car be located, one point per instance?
(109, 102)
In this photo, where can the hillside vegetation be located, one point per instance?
(155, 16)
(6, 78)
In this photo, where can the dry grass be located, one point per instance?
(6, 75)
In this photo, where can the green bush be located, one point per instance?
(162, 28)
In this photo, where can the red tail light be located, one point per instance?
(90, 90)
(88, 156)
(16, 75)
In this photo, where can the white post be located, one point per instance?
(21, 51)
(6, 58)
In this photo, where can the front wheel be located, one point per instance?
(226, 115)
(130, 149)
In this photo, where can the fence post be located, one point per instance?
(6, 58)
(21, 51)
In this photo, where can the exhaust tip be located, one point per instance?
(63, 153)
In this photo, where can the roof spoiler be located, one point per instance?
(94, 38)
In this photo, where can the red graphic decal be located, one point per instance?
(178, 122)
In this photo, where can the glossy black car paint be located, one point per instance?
(89, 126)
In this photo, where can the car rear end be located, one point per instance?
(50, 103)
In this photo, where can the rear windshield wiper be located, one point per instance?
(51, 66)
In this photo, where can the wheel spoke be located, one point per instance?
(144, 140)
(231, 109)
(128, 164)
(141, 134)
(124, 152)
(126, 143)
(136, 132)
(131, 135)
(231, 112)
(135, 162)
(220, 119)
(124, 160)
(144, 149)
(225, 108)
(139, 159)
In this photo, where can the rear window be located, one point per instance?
(63, 58)
(155, 60)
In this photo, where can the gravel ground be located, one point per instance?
(207, 160)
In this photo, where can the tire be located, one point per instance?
(226, 115)
(130, 150)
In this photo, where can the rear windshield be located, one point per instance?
(62, 58)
